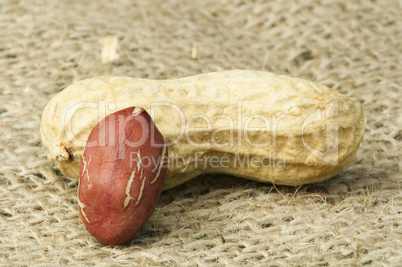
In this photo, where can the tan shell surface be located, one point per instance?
(217, 115)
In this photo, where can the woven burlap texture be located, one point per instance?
(352, 46)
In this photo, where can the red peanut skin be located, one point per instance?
(111, 215)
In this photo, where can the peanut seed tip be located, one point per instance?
(137, 110)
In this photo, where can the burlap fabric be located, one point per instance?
(354, 47)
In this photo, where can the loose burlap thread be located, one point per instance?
(352, 46)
